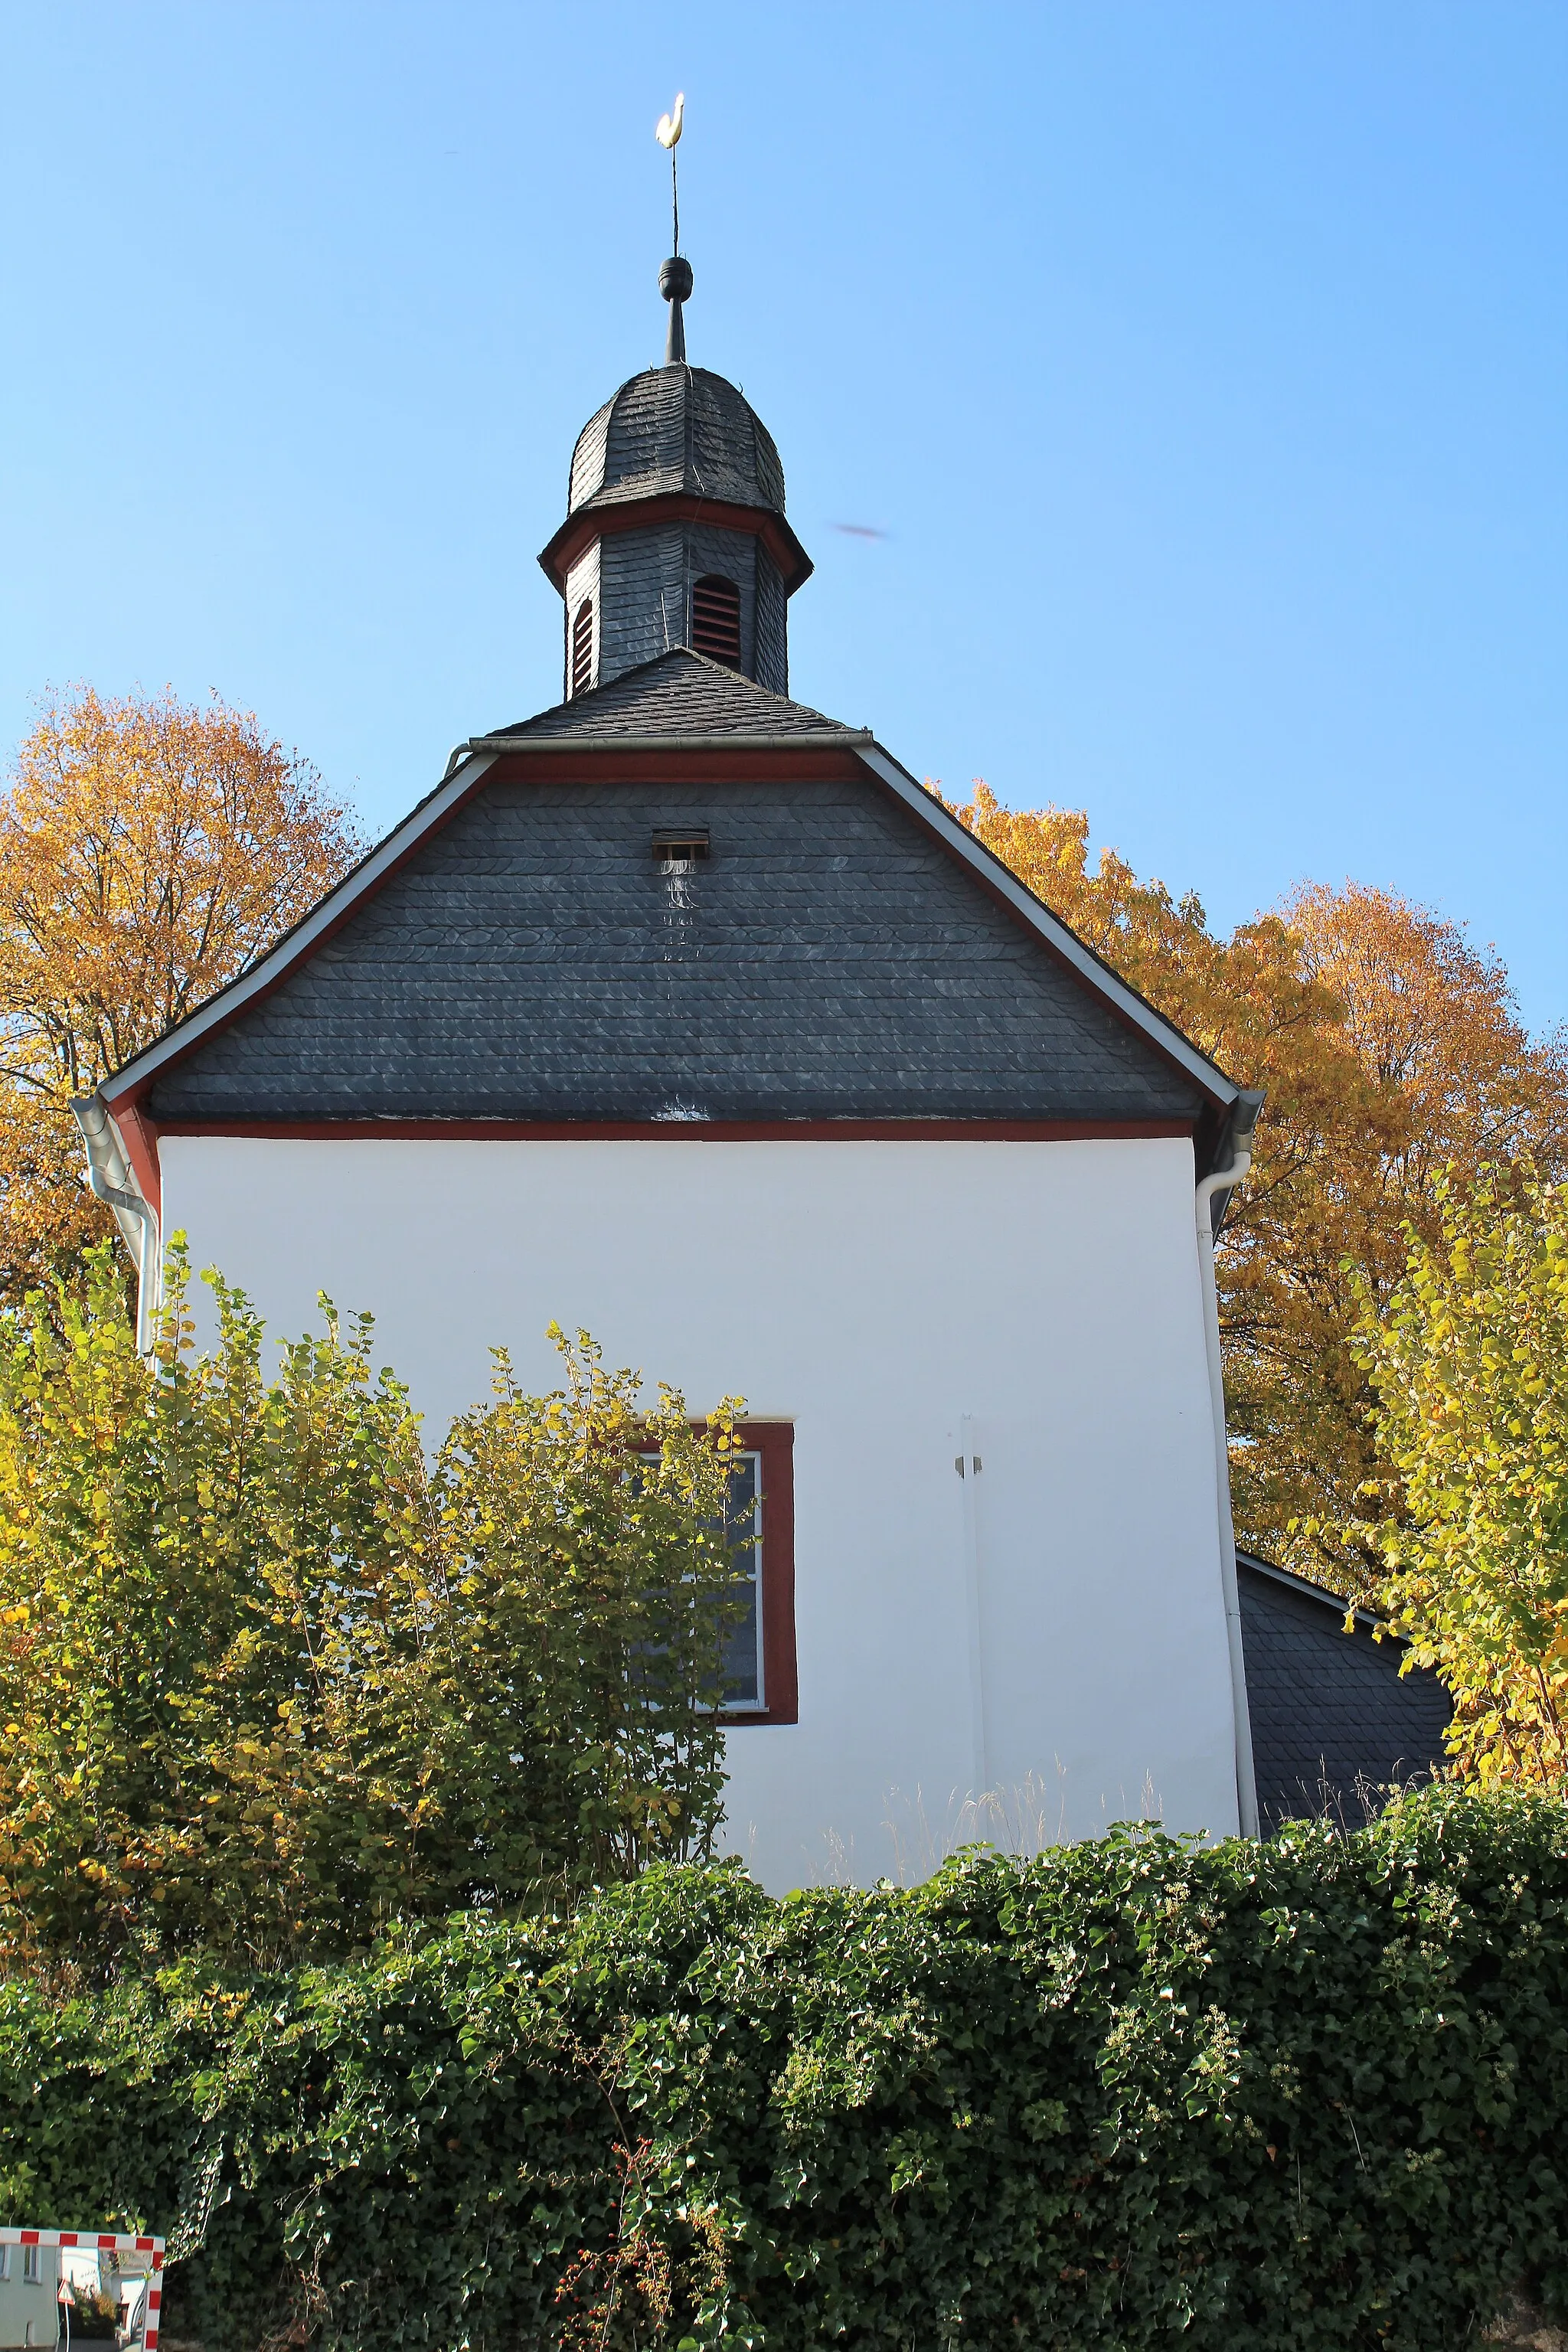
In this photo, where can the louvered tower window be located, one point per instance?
(583, 647)
(716, 619)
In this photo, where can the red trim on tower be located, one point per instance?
(581, 529)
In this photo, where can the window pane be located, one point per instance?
(741, 1659)
(742, 1649)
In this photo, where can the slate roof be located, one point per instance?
(1333, 1721)
(676, 428)
(530, 960)
(512, 952)
(680, 693)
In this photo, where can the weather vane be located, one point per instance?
(667, 133)
(675, 274)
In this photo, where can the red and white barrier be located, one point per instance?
(104, 2242)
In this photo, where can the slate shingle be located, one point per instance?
(680, 693)
(530, 961)
(676, 429)
(1331, 1714)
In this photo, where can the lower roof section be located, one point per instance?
(1335, 1723)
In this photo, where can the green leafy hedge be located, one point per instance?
(1312, 2092)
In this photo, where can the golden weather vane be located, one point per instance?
(667, 130)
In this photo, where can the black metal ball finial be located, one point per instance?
(675, 285)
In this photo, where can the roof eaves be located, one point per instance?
(1058, 935)
(615, 511)
(298, 941)
(1320, 1592)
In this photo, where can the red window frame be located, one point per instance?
(773, 1441)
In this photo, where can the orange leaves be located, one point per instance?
(1433, 1023)
(148, 850)
(1388, 1047)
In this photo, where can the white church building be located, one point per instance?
(686, 1015)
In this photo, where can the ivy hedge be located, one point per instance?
(1306, 2093)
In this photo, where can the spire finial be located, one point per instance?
(675, 285)
(675, 274)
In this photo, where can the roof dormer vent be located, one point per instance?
(677, 849)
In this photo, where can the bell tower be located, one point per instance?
(675, 530)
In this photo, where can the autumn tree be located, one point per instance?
(1389, 1047)
(1467, 1357)
(148, 851)
(1447, 1078)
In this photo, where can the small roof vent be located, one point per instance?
(676, 846)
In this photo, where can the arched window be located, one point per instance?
(583, 647)
(716, 619)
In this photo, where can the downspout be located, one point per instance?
(109, 1175)
(1212, 1196)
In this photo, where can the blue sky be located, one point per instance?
(1203, 361)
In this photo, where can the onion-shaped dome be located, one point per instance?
(679, 429)
(675, 531)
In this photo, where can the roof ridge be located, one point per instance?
(602, 698)
(738, 676)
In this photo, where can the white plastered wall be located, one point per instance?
(1054, 1624)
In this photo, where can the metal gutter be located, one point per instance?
(1219, 1187)
(113, 1181)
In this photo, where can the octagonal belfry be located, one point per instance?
(675, 532)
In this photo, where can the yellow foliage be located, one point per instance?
(1389, 1048)
(148, 851)
(1468, 1361)
(270, 1677)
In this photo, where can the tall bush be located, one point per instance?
(270, 1679)
(1469, 1362)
